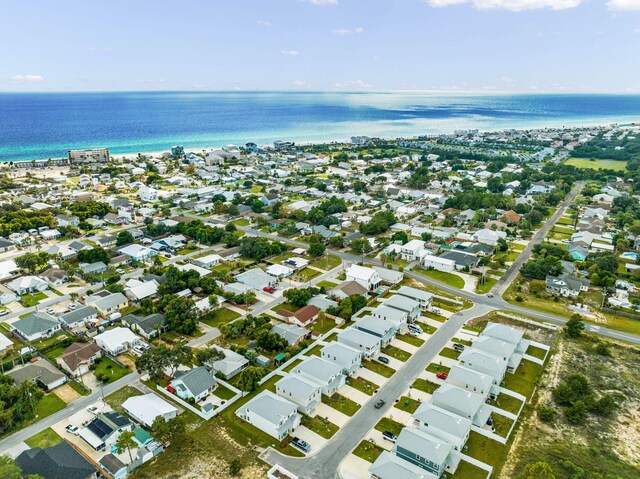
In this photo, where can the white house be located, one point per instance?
(326, 374)
(36, 326)
(194, 384)
(28, 284)
(271, 414)
(423, 298)
(440, 264)
(302, 391)
(366, 277)
(117, 340)
(368, 344)
(348, 358)
(146, 408)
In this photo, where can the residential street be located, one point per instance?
(325, 463)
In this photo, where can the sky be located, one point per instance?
(443, 45)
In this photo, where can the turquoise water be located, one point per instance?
(46, 125)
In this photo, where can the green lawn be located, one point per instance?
(187, 250)
(536, 352)
(326, 284)
(467, 470)
(361, 384)
(397, 353)
(379, 368)
(54, 353)
(427, 328)
(341, 403)
(321, 427)
(45, 438)
(437, 368)
(524, 380)
(326, 262)
(486, 286)
(323, 325)
(220, 317)
(508, 403)
(308, 274)
(447, 278)
(110, 370)
(281, 257)
(485, 449)
(407, 404)
(223, 392)
(434, 316)
(466, 342)
(287, 306)
(501, 424)
(407, 338)
(49, 404)
(79, 388)
(29, 300)
(368, 451)
(425, 386)
(315, 351)
(386, 424)
(597, 164)
(449, 353)
(45, 343)
(115, 399)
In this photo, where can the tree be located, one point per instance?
(316, 249)
(165, 431)
(33, 261)
(209, 356)
(181, 316)
(94, 255)
(126, 441)
(124, 238)
(179, 354)
(154, 361)
(400, 236)
(361, 246)
(574, 327)
(337, 241)
(537, 470)
(9, 469)
(249, 378)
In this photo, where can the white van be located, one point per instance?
(414, 330)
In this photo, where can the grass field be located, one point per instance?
(223, 392)
(110, 370)
(437, 368)
(308, 274)
(447, 278)
(425, 386)
(486, 286)
(597, 164)
(219, 317)
(407, 338)
(386, 424)
(49, 404)
(324, 325)
(449, 353)
(45, 438)
(342, 404)
(327, 262)
(116, 398)
(321, 427)
(361, 384)
(368, 451)
(379, 368)
(397, 353)
(326, 284)
(407, 404)
(29, 300)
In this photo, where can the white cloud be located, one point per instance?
(514, 5)
(264, 23)
(324, 2)
(637, 30)
(291, 53)
(28, 78)
(352, 85)
(347, 31)
(623, 5)
(100, 49)
(507, 79)
(300, 84)
(151, 80)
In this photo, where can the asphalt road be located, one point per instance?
(325, 463)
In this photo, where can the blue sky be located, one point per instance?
(449, 45)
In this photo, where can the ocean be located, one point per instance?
(46, 125)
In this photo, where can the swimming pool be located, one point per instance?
(630, 255)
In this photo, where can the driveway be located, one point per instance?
(316, 441)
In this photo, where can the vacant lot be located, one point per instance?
(601, 445)
(447, 278)
(597, 164)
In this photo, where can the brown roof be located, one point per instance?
(351, 287)
(53, 274)
(512, 216)
(78, 353)
(307, 313)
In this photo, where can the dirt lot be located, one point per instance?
(531, 331)
(602, 447)
(66, 393)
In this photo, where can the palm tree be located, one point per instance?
(125, 441)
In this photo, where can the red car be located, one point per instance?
(442, 375)
(268, 289)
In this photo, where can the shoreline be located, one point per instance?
(131, 155)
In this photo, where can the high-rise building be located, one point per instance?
(93, 155)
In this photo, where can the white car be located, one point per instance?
(120, 271)
(50, 311)
(71, 429)
(93, 409)
(72, 306)
(4, 312)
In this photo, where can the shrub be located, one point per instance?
(235, 466)
(576, 413)
(603, 349)
(519, 299)
(546, 414)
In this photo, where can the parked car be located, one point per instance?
(268, 289)
(442, 375)
(379, 403)
(458, 347)
(383, 360)
(50, 311)
(120, 271)
(72, 306)
(389, 436)
(300, 444)
(489, 295)
(93, 409)
(414, 329)
(167, 255)
(4, 312)
(71, 429)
